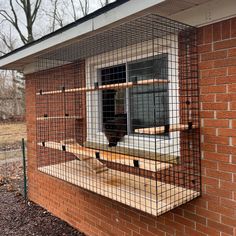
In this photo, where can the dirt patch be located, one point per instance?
(18, 217)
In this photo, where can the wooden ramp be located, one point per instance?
(93, 157)
(153, 197)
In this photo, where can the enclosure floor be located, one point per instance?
(141, 193)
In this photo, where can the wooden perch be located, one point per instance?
(92, 163)
(58, 117)
(85, 154)
(107, 87)
(163, 129)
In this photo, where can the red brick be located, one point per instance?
(223, 98)
(207, 98)
(232, 70)
(205, 65)
(208, 147)
(195, 218)
(216, 156)
(217, 31)
(189, 231)
(228, 221)
(214, 55)
(214, 72)
(226, 132)
(200, 36)
(232, 52)
(232, 88)
(233, 27)
(216, 207)
(210, 181)
(207, 81)
(225, 44)
(215, 106)
(175, 225)
(220, 227)
(228, 185)
(205, 48)
(216, 139)
(234, 157)
(208, 34)
(226, 29)
(184, 221)
(207, 230)
(213, 89)
(207, 114)
(226, 114)
(208, 214)
(227, 167)
(216, 123)
(211, 190)
(225, 62)
(226, 149)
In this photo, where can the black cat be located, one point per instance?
(115, 129)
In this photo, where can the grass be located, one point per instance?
(11, 135)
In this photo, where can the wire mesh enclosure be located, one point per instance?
(117, 113)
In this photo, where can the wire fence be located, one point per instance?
(11, 160)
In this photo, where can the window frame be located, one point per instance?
(93, 99)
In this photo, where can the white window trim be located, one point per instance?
(159, 144)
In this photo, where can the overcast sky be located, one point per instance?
(44, 21)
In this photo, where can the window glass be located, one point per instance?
(148, 103)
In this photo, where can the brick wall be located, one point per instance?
(212, 214)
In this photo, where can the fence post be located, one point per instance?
(24, 169)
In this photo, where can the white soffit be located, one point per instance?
(207, 13)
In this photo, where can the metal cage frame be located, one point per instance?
(118, 113)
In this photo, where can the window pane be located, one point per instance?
(148, 103)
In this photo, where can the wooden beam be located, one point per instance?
(107, 87)
(92, 162)
(127, 160)
(162, 129)
(58, 117)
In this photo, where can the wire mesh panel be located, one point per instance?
(118, 115)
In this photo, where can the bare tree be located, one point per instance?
(60, 11)
(55, 14)
(30, 11)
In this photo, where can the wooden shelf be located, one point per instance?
(90, 154)
(58, 117)
(107, 87)
(162, 129)
(148, 195)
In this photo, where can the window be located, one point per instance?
(124, 110)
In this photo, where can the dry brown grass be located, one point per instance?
(11, 133)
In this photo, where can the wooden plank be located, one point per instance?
(91, 162)
(123, 159)
(161, 129)
(108, 86)
(148, 195)
(135, 152)
(58, 117)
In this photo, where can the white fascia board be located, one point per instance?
(207, 13)
(111, 16)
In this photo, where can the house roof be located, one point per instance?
(114, 13)
(71, 25)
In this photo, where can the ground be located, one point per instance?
(17, 216)
(11, 135)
